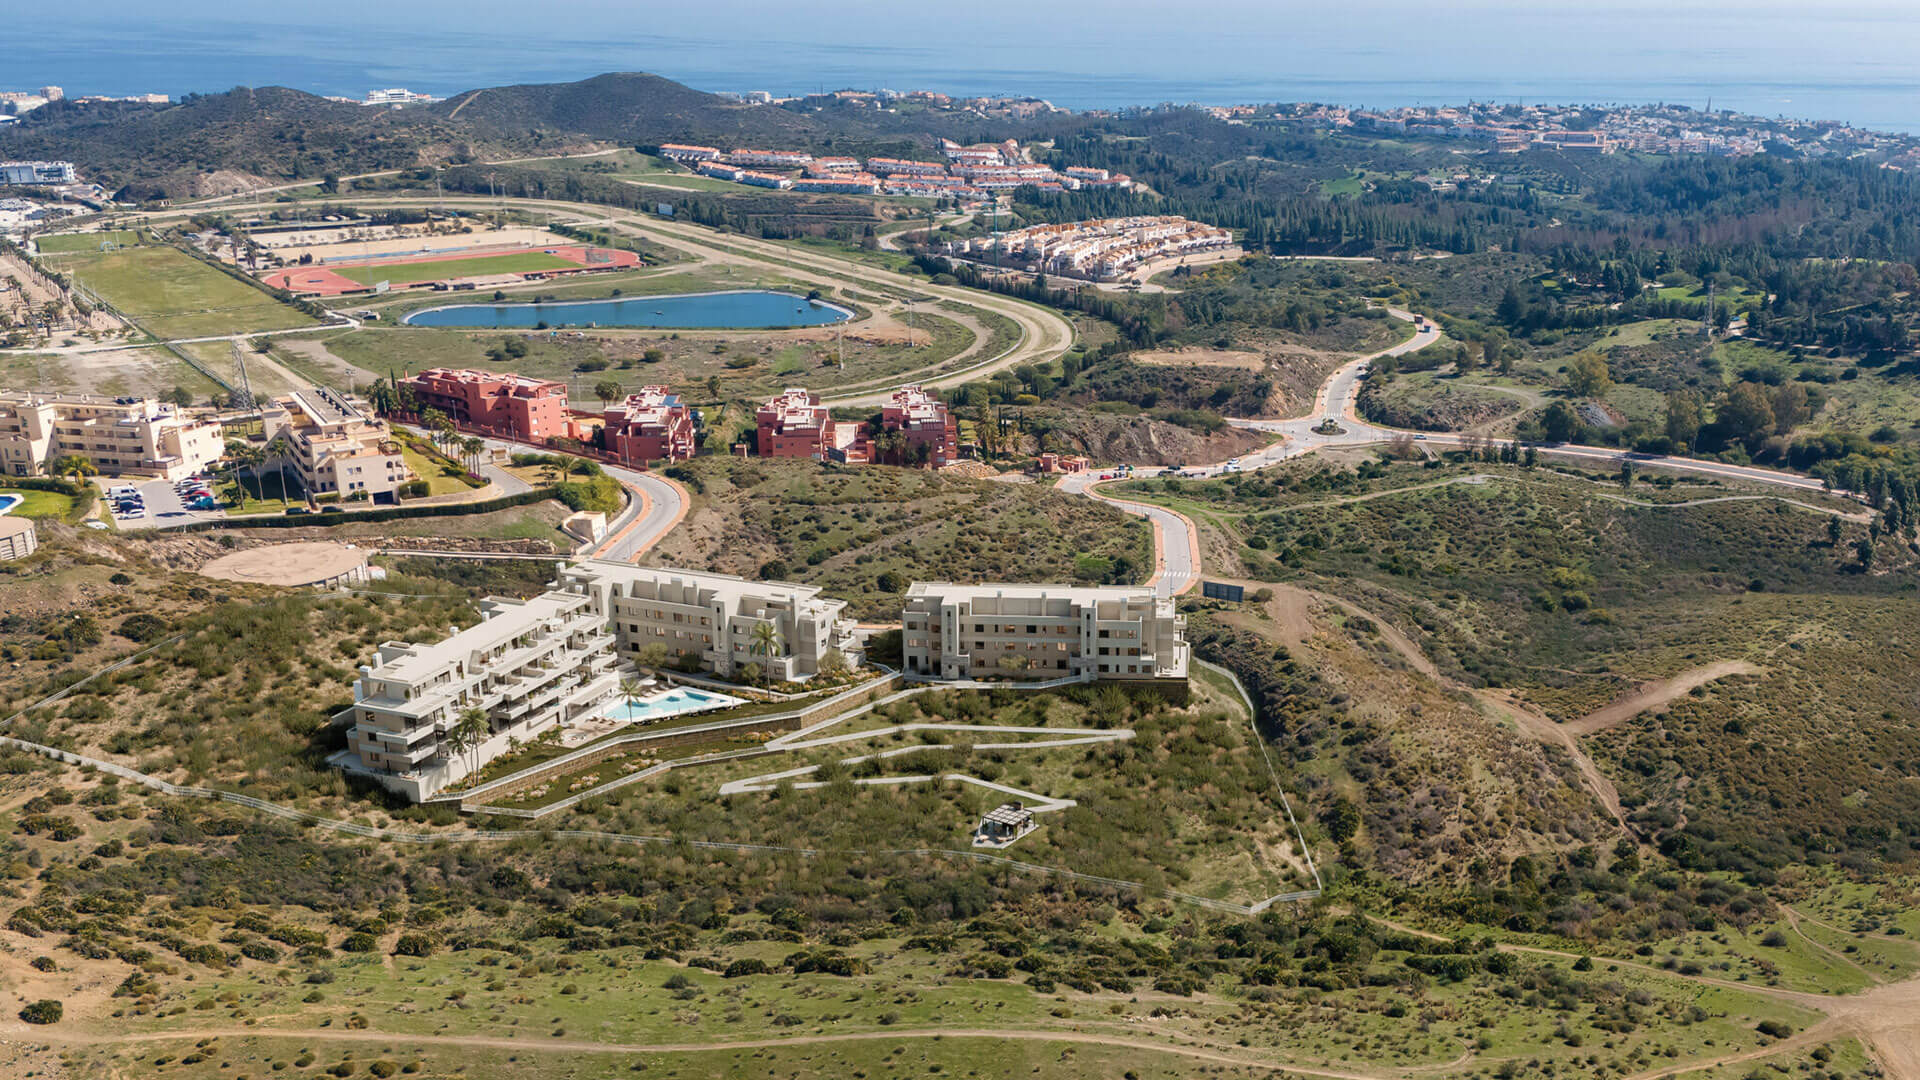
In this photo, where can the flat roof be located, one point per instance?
(14, 525)
(309, 563)
(1078, 593)
(668, 573)
(505, 620)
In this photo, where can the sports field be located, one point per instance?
(396, 271)
(334, 279)
(71, 242)
(173, 295)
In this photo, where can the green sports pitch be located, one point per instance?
(401, 273)
(66, 243)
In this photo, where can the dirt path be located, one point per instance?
(1655, 694)
(1194, 1050)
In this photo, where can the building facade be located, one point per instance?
(793, 425)
(335, 447)
(529, 665)
(924, 430)
(1042, 632)
(709, 619)
(650, 425)
(524, 408)
(121, 436)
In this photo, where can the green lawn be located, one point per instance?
(518, 262)
(40, 504)
(442, 479)
(173, 295)
(78, 242)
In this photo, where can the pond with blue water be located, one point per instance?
(743, 310)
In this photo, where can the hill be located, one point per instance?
(630, 107)
(214, 143)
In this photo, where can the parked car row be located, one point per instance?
(127, 503)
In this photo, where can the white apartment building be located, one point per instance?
(36, 172)
(711, 617)
(121, 436)
(528, 664)
(335, 446)
(1042, 632)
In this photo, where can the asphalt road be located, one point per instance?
(1176, 553)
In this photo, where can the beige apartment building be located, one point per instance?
(1041, 632)
(335, 446)
(711, 617)
(528, 664)
(121, 436)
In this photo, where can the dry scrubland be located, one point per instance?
(865, 534)
(203, 940)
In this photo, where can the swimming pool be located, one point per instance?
(8, 502)
(673, 702)
(737, 310)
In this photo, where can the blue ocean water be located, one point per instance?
(1848, 60)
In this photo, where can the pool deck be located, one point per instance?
(595, 727)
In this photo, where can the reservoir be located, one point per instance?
(743, 310)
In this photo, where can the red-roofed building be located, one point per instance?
(650, 425)
(921, 421)
(524, 408)
(793, 425)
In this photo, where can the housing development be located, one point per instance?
(575, 580)
(539, 664)
(967, 173)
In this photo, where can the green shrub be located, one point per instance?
(44, 1011)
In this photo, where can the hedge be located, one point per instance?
(389, 513)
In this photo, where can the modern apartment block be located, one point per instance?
(711, 617)
(524, 408)
(121, 436)
(1042, 632)
(528, 664)
(650, 425)
(335, 446)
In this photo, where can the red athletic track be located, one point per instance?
(321, 281)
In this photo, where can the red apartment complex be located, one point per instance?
(794, 425)
(527, 409)
(651, 425)
(923, 421)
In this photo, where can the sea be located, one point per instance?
(1847, 60)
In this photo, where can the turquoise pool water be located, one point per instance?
(747, 310)
(8, 502)
(671, 703)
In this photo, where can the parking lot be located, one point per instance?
(163, 505)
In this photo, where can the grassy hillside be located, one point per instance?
(864, 534)
(1569, 592)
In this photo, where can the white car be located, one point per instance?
(136, 512)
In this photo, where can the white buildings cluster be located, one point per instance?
(428, 715)
(1105, 248)
(46, 173)
(968, 173)
(121, 436)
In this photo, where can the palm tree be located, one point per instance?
(473, 447)
(278, 447)
(383, 397)
(470, 729)
(630, 689)
(606, 390)
(76, 466)
(764, 641)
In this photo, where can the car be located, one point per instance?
(1419, 438)
(331, 510)
(295, 511)
(203, 504)
(130, 514)
(199, 493)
